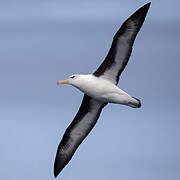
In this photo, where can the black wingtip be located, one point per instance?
(56, 171)
(144, 9)
(57, 167)
(139, 16)
(147, 5)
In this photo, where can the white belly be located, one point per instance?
(103, 90)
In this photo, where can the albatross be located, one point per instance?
(100, 88)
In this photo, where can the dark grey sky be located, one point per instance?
(44, 41)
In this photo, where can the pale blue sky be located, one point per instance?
(44, 41)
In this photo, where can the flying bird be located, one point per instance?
(100, 88)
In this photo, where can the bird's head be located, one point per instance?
(72, 80)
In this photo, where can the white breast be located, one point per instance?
(101, 89)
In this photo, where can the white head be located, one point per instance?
(75, 80)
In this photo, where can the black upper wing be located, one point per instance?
(121, 47)
(80, 127)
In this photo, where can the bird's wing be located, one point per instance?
(121, 47)
(80, 127)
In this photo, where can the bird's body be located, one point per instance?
(100, 88)
(103, 90)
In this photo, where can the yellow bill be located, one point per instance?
(62, 82)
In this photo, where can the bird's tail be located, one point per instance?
(136, 103)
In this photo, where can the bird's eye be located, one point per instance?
(72, 77)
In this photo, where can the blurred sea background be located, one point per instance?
(42, 41)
